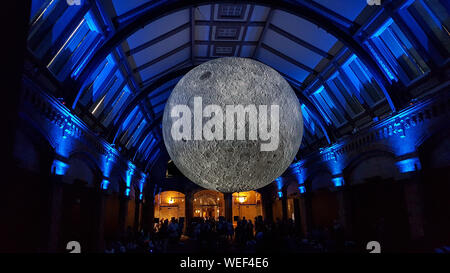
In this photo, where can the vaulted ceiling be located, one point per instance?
(118, 61)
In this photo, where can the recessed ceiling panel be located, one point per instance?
(281, 65)
(122, 7)
(157, 28)
(350, 9)
(165, 64)
(253, 33)
(303, 29)
(260, 13)
(161, 48)
(291, 49)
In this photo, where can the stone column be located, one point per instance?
(123, 211)
(98, 236)
(414, 206)
(56, 194)
(297, 215)
(188, 209)
(228, 199)
(306, 204)
(284, 207)
(345, 207)
(148, 213)
(137, 218)
(267, 205)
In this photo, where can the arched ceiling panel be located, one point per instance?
(291, 49)
(348, 9)
(303, 29)
(152, 52)
(158, 28)
(260, 14)
(337, 82)
(149, 71)
(268, 57)
(121, 7)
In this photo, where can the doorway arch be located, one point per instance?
(209, 204)
(246, 204)
(170, 204)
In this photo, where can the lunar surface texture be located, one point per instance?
(238, 164)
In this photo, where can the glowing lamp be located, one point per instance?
(302, 189)
(105, 184)
(409, 165)
(338, 181)
(59, 167)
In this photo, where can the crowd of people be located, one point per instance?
(246, 236)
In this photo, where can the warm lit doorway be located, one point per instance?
(209, 204)
(169, 204)
(246, 204)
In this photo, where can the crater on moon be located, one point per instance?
(234, 165)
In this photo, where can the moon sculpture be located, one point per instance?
(239, 155)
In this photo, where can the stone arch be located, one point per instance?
(247, 204)
(170, 204)
(434, 151)
(371, 164)
(319, 178)
(83, 168)
(292, 187)
(208, 203)
(376, 199)
(33, 142)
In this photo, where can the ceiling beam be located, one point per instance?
(182, 47)
(244, 33)
(301, 42)
(229, 23)
(337, 103)
(211, 20)
(300, 9)
(289, 78)
(143, 95)
(157, 39)
(145, 133)
(150, 164)
(145, 83)
(162, 91)
(162, 57)
(330, 14)
(354, 90)
(205, 42)
(292, 80)
(289, 59)
(192, 32)
(263, 33)
(328, 131)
